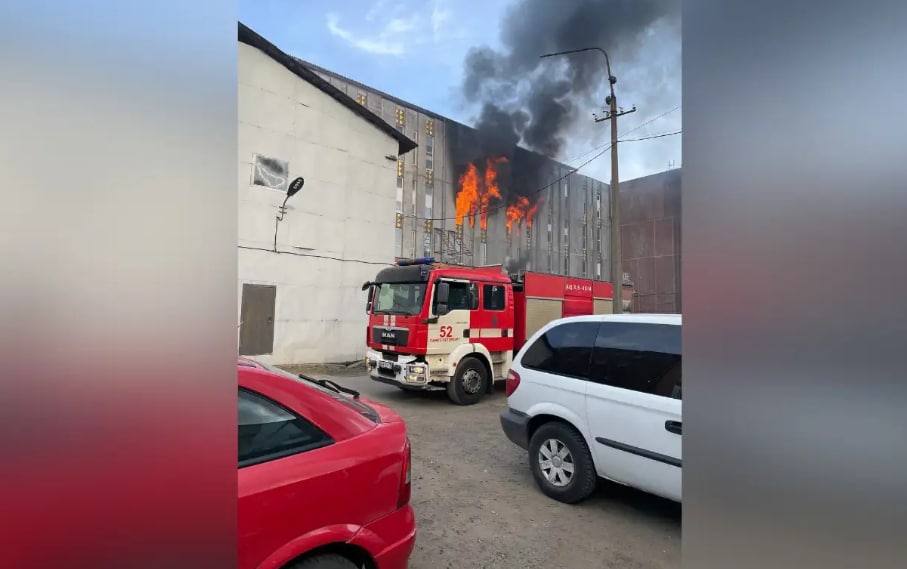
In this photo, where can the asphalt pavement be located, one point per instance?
(477, 505)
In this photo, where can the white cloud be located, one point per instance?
(390, 28)
(441, 29)
(376, 9)
(388, 41)
(399, 26)
(440, 14)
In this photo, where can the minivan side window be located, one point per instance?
(565, 349)
(268, 431)
(639, 357)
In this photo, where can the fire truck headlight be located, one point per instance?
(417, 369)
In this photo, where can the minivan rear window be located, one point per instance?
(565, 349)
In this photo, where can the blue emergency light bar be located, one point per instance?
(416, 261)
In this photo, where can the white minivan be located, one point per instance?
(599, 397)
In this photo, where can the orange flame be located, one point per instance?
(491, 187)
(519, 211)
(475, 194)
(468, 196)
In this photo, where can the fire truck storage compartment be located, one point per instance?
(544, 302)
(519, 316)
(541, 298)
(540, 311)
(602, 306)
(601, 297)
(577, 297)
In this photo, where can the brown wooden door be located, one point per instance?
(256, 329)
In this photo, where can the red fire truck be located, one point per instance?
(434, 326)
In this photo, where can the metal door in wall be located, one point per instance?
(256, 329)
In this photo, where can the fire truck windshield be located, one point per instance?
(399, 298)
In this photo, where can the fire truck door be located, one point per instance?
(449, 331)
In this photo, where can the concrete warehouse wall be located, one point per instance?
(650, 240)
(345, 211)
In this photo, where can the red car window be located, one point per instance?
(268, 431)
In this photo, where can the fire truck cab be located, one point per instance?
(433, 328)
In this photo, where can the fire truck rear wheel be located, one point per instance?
(469, 384)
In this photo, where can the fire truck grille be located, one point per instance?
(390, 336)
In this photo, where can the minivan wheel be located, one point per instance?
(469, 383)
(561, 463)
(326, 561)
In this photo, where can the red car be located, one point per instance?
(324, 476)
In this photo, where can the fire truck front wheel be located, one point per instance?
(469, 383)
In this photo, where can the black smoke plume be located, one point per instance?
(494, 137)
(536, 101)
(513, 265)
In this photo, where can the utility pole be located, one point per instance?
(617, 273)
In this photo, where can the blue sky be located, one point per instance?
(414, 49)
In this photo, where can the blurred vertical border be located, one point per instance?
(794, 205)
(118, 287)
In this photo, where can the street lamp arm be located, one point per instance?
(612, 114)
(582, 49)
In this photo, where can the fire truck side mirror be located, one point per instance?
(442, 296)
(371, 296)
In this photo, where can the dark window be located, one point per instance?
(670, 383)
(639, 357)
(270, 172)
(268, 431)
(493, 297)
(399, 298)
(463, 296)
(563, 350)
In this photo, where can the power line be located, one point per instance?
(328, 257)
(662, 135)
(651, 120)
(635, 128)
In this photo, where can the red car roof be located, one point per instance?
(248, 363)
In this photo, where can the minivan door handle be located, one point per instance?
(675, 427)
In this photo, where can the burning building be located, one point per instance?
(469, 201)
(475, 198)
